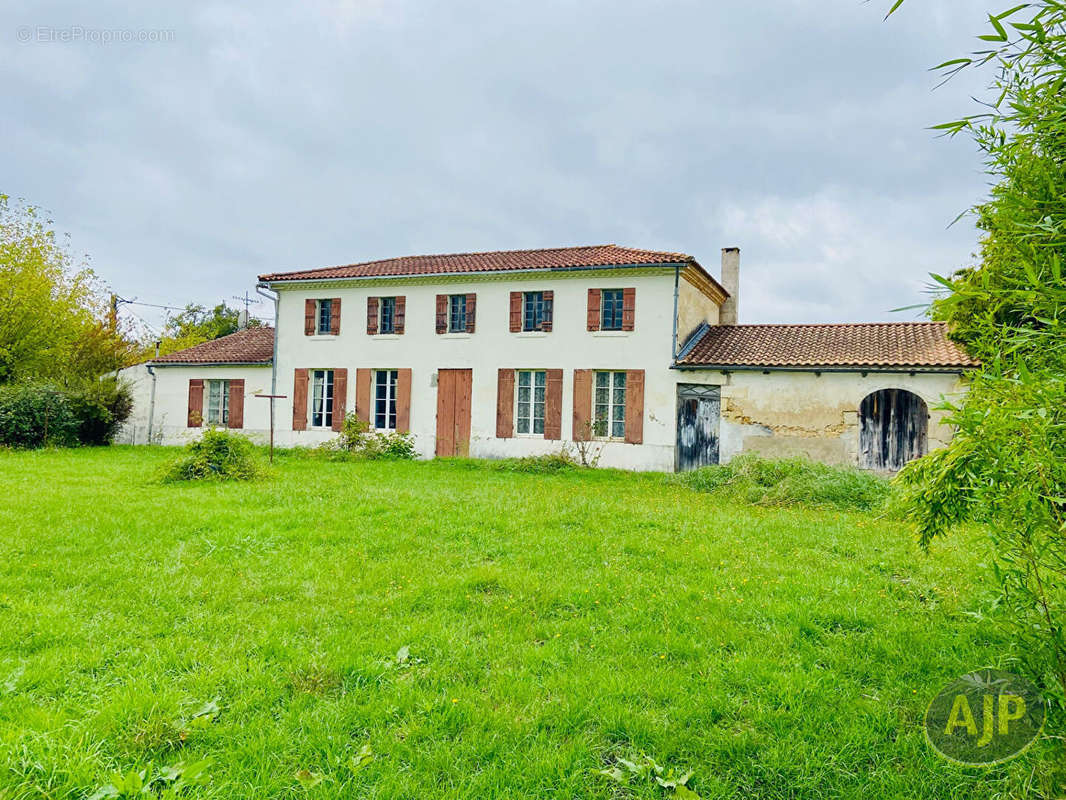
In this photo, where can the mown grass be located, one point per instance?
(555, 622)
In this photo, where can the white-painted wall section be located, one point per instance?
(568, 346)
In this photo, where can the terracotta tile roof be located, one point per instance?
(250, 346)
(920, 345)
(556, 258)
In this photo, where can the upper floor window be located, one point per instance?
(611, 310)
(609, 405)
(388, 315)
(324, 317)
(529, 406)
(217, 402)
(385, 399)
(456, 313)
(322, 398)
(536, 311)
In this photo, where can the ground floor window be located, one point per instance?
(322, 398)
(529, 411)
(609, 412)
(217, 403)
(385, 399)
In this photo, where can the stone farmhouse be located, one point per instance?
(633, 353)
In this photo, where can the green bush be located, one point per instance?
(99, 409)
(36, 415)
(218, 455)
(795, 480)
(356, 440)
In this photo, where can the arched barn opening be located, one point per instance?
(893, 428)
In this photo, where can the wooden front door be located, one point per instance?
(698, 415)
(453, 412)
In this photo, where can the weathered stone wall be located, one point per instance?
(781, 414)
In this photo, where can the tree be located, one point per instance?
(196, 324)
(52, 309)
(1006, 465)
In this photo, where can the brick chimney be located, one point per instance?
(731, 281)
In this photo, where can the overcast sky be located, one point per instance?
(236, 142)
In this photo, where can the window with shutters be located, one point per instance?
(387, 315)
(529, 401)
(322, 398)
(611, 303)
(609, 405)
(217, 402)
(536, 310)
(385, 399)
(457, 313)
(323, 317)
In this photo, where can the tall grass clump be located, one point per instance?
(771, 482)
(218, 455)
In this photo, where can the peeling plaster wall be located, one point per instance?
(784, 414)
(693, 309)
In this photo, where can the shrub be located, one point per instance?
(218, 455)
(99, 409)
(795, 480)
(357, 440)
(36, 415)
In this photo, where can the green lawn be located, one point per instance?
(554, 623)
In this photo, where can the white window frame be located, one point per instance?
(319, 305)
(381, 315)
(389, 384)
(531, 404)
(323, 378)
(219, 415)
(618, 309)
(613, 405)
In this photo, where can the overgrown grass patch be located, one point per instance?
(413, 629)
(777, 482)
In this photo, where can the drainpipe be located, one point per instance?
(151, 399)
(677, 289)
(263, 290)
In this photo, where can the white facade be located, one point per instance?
(774, 412)
(170, 411)
(569, 346)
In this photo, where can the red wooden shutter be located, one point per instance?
(299, 400)
(371, 315)
(549, 309)
(582, 405)
(594, 310)
(309, 317)
(334, 316)
(362, 394)
(196, 402)
(505, 403)
(403, 400)
(635, 406)
(629, 308)
(471, 312)
(442, 313)
(516, 311)
(553, 405)
(236, 403)
(400, 314)
(340, 397)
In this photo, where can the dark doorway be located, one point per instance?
(698, 413)
(893, 428)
